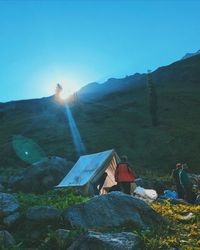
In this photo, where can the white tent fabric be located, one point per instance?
(89, 168)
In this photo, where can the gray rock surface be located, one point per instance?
(6, 240)
(8, 204)
(112, 210)
(107, 241)
(41, 176)
(43, 214)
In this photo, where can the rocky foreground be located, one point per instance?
(34, 216)
(112, 221)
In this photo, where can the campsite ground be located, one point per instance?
(180, 234)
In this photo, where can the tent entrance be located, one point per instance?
(88, 169)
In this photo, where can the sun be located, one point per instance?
(67, 90)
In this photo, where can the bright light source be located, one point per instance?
(67, 91)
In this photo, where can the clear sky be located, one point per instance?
(78, 42)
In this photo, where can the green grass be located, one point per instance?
(120, 121)
(59, 198)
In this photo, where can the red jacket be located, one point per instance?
(123, 173)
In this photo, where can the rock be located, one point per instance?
(62, 234)
(14, 183)
(112, 210)
(8, 204)
(43, 175)
(6, 240)
(11, 219)
(107, 241)
(151, 184)
(43, 214)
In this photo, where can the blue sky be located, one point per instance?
(77, 42)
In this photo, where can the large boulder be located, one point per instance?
(41, 176)
(8, 204)
(107, 241)
(43, 214)
(112, 210)
(159, 186)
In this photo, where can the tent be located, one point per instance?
(88, 169)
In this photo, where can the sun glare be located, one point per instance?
(67, 90)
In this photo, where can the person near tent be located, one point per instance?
(175, 176)
(125, 176)
(186, 183)
(99, 183)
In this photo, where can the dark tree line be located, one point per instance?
(153, 104)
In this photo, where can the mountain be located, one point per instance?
(180, 71)
(97, 90)
(191, 54)
(115, 114)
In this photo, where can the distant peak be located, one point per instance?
(188, 55)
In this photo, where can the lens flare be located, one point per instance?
(78, 143)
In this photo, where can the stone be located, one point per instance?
(41, 176)
(112, 210)
(8, 204)
(43, 214)
(107, 241)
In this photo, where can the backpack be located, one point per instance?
(123, 173)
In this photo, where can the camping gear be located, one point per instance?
(148, 194)
(168, 194)
(124, 173)
(88, 169)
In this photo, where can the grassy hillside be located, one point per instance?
(119, 120)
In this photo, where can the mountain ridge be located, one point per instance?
(117, 119)
(188, 55)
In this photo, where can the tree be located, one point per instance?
(153, 105)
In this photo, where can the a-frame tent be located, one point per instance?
(88, 169)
